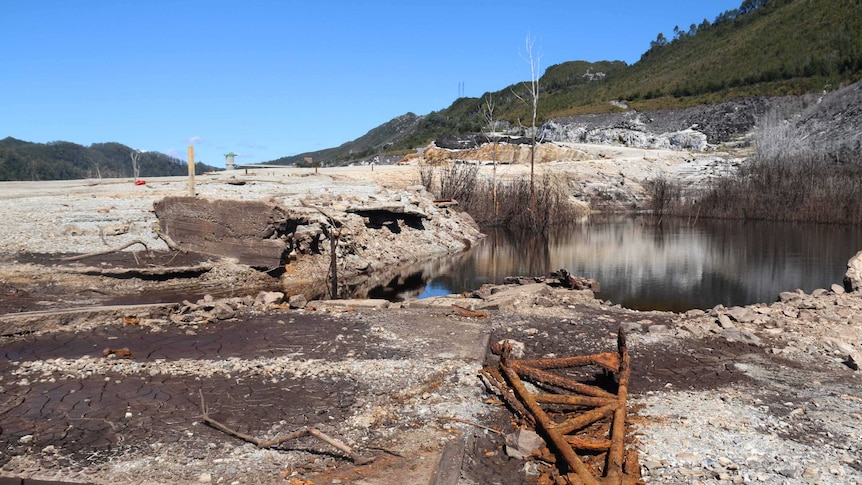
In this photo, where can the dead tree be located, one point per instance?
(531, 98)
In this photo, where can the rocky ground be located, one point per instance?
(106, 364)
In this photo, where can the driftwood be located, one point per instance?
(107, 251)
(141, 272)
(471, 423)
(468, 313)
(169, 242)
(308, 430)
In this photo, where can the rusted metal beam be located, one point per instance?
(594, 405)
(557, 439)
(588, 445)
(545, 377)
(585, 419)
(573, 400)
(608, 360)
(495, 379)
(614, 467)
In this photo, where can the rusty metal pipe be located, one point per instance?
(616, 454)
(608, 360)
(585, 419)
(569, 384)
(573, 400)
(557, 439)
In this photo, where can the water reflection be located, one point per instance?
(677, 266)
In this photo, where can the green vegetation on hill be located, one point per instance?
(764, 47)
(62, 160)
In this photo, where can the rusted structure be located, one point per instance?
(571, 414)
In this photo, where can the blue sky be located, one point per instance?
(267, 79)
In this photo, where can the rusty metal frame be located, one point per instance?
(593, 405)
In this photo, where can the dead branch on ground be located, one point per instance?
(107, 251)
(169, 242)
(308, 430)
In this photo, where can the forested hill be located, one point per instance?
(764, 47)
(62, 160)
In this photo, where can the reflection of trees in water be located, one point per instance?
(768, 255)
(678, 267)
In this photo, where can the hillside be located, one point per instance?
(763, 48)
(377, 140)
(62, 160)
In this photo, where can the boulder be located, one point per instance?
(297, 301)
(854, 360)
(853, 277)
(742, 314)
(267, 298)
(223, 311)
(725, 322)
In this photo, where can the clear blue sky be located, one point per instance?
(267, 79)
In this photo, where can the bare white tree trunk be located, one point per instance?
(136, 168)
(532, 98)
(491, 131)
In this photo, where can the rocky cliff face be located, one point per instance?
(633, 133)
(694, 128)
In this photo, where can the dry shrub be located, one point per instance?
(515, 209)
(797, 174)
(458, 181)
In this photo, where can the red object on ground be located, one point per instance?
(140, 182)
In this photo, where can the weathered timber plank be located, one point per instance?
(237, 229)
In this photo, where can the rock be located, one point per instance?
(27, 438)
(687, 457)
(658, 329)
(786, 296)
(523, 443)
(789, 472)
(116, 229)
(724, 321)
(810, 472)
(372, 303)
(838, 345)
(631, 327)
(223, 311)
(267, 298)
(736, 335)
(742, 314)
(517, 348)
(819, 292)
(853, 277)
(837, 289)
(297, 301)
(854, 360)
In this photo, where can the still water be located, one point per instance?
(677, 266)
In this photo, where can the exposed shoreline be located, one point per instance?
(760, 394)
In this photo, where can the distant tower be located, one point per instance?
(228, 160)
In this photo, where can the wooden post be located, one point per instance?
(191, 171)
